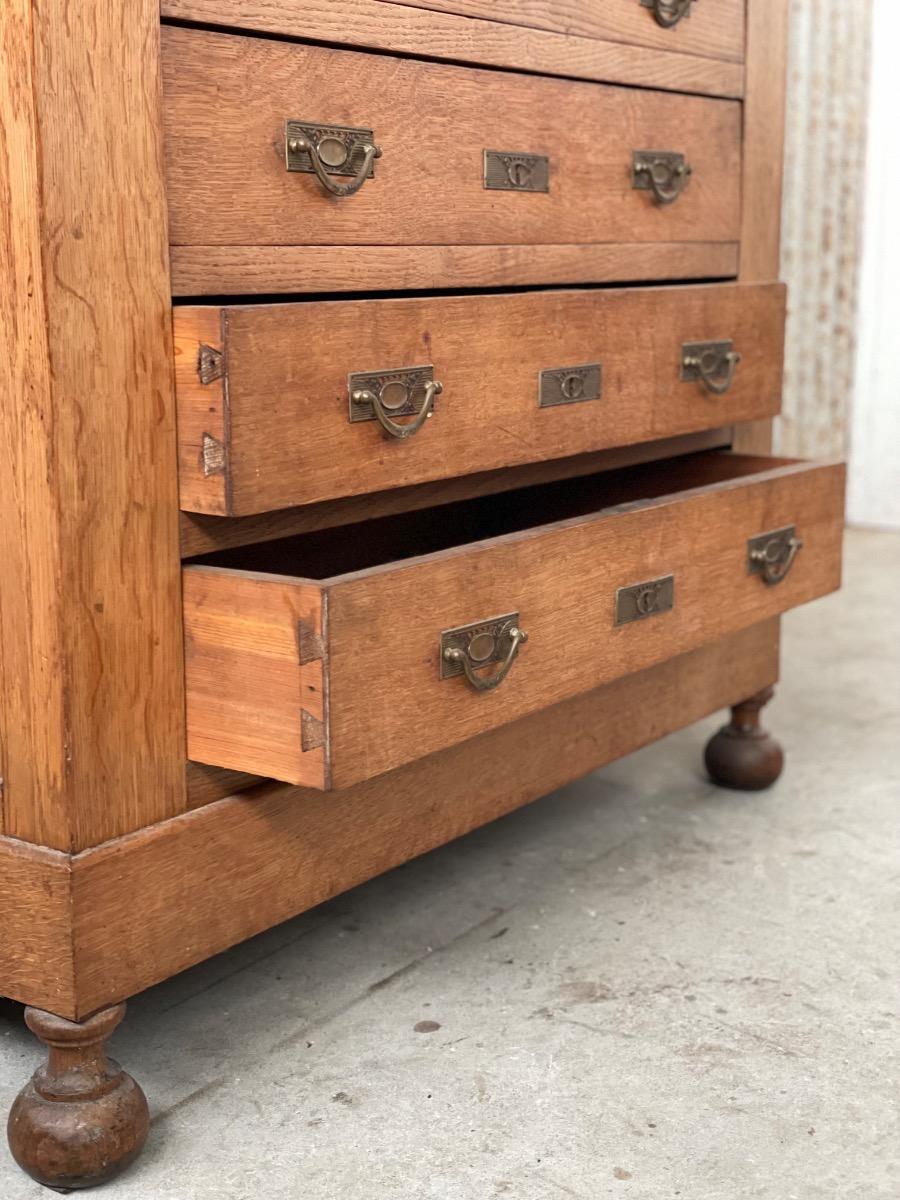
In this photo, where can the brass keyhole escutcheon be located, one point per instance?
(572, 387)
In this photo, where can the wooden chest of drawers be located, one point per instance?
(388, 444)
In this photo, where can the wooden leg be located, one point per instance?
(80, 1120)
(743, 755)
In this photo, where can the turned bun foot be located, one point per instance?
(742, 754)
(81, 1119)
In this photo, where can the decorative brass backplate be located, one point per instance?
(569, 385)
(645, 599)
(341, 148)
(402, 391)
(483, 642)
(506, 171)
(705, 360)
(770, 550)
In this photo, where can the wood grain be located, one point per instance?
(202, 408)
(206, 784)
(288, 439)
(405, 30)
(202, 534)
(36, 926)
(763, 168)
(233, 617)
(227, 97)
(276, 851)
(763, 140)
(713, 30)
(92, 674)
(234, 270)
(237, 631)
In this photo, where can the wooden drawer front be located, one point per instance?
(330, 680)
(273, 430)
(712, 30)
(227, 98)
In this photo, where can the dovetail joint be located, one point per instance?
(214, 457)
(210, 364)
(311, 644)
(312, 731)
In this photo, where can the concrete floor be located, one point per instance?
(639, 987)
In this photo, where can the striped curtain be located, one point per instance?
(821, 220)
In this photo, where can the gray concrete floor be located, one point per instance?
(639, 987)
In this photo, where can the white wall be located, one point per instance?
(822, 218)
(874, 481)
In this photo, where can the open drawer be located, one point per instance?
(267, 419)
(332, 657)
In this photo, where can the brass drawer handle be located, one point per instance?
(471, 647)
(389, 425)
(668, 12)
(771, 555)
(663, 172)
(330, 150)
(713, 363)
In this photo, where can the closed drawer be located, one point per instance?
(319, 660)
(227, 99)
(266, 419)
(713, 30)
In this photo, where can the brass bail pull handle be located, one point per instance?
(665, 173)
(486, 683)
(776, 557)
(302, 144)
(389, 425)
(666, 179)
(669, 12)
(715, 370)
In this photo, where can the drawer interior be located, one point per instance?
(367, 545)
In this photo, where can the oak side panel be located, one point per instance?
(434, 122)
(232, 270)
(714, 30)
(763, 140)
(255, 674)
(562, 580)
(36, 927)
(91, 431)
(32, 683)
(276, 851)
(201, 534)
(404, 30)
(763, 166)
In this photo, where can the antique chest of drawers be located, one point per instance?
(388, 443)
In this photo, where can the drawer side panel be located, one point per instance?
(255, 671)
